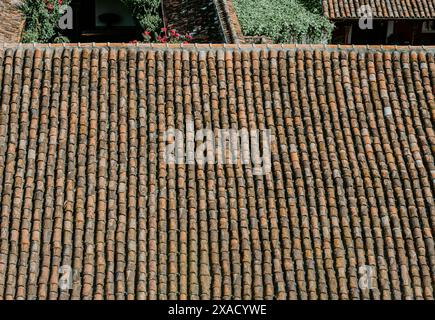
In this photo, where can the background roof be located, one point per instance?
(348, 9)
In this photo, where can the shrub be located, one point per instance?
(41, 20)
(294, 21)
(42, 17)
(146, 12)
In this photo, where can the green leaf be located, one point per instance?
(41, 21)
(284, 21)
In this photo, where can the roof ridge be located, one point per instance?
(226, 46)
(229, 21)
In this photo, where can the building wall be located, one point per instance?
(11, 21)
(399, 32)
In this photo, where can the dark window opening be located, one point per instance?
(428, 27)
(103, 21)
(391, 32)
(377, 35)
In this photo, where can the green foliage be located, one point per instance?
(42, 17)
(314, 6)
(147, 12)
(284, 21)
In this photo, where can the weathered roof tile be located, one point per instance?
(84, 186)
(381, 9)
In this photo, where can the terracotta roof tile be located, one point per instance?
(198, 17)
(84, 185)
(381, 9)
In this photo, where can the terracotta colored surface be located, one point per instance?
(198, 17)
(416, 9)
(229, 21)
(11, 21)
(83, 184)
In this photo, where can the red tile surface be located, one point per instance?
(415, 9)
(197, 17)
(83, 183)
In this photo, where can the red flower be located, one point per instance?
(162, 39)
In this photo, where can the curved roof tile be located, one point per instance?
(387, 9)
(347, 210)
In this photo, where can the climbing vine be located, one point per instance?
(41, 20)
(146, 12)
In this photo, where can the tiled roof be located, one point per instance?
(83, 184)
(388, 9)
(11, 21)
(229, 21)
(198, 17)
